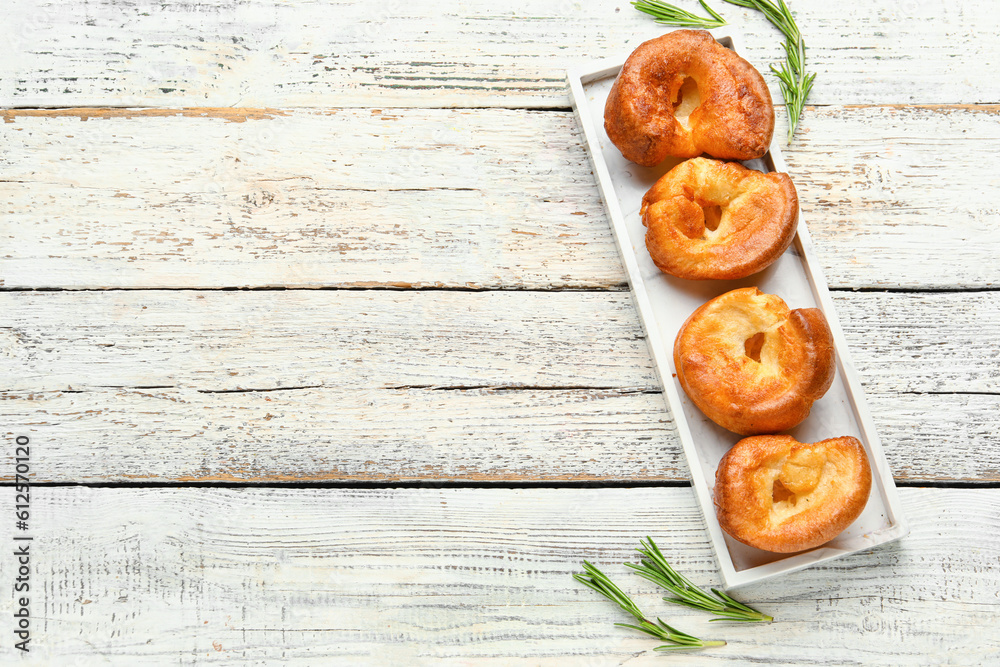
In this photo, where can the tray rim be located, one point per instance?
(578, 77)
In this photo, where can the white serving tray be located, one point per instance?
(664, 303)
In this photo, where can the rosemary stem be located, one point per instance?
(654, 567)
(676, 640)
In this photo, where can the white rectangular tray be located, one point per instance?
(664, 303)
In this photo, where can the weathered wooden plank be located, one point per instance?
(941, 342)
(940, 437)
(329, 434)
(472, 576)
(380, 385)
(474, 54)
(484, 198)
(344, 198)
(887, 189)
(217, 341)
(482, 435)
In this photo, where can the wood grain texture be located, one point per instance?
(880, 196)
(482, 435)
(477, 386)
(471, 54)
(473, 576)
(315, 435)
(338, 198)
(218, 341)
(439, 198)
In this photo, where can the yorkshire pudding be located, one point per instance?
(711, 219)
(684, 94)
(752, 365)
(778, 494)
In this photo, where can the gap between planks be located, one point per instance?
(394, 287)
(460, 484)
(242, 114)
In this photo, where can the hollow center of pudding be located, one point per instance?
(713, 216)
(753, 345)
(686, 102)
(780, 493)
(798, 485)
(803, 470)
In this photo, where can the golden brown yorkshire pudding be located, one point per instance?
(752, 365)
(684, 94)
(712, 219)
(778, 494)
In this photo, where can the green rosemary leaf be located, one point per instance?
(730, 601)
(705, 644)
(712, 13)
(715, 608)
(597, 581)
(680, 636)
(668, 14)
(649, 629)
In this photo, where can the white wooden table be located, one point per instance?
(313, 317)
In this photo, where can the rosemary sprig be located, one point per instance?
(668, 14)
(676, 640)
(795, 83)
(655, 568)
